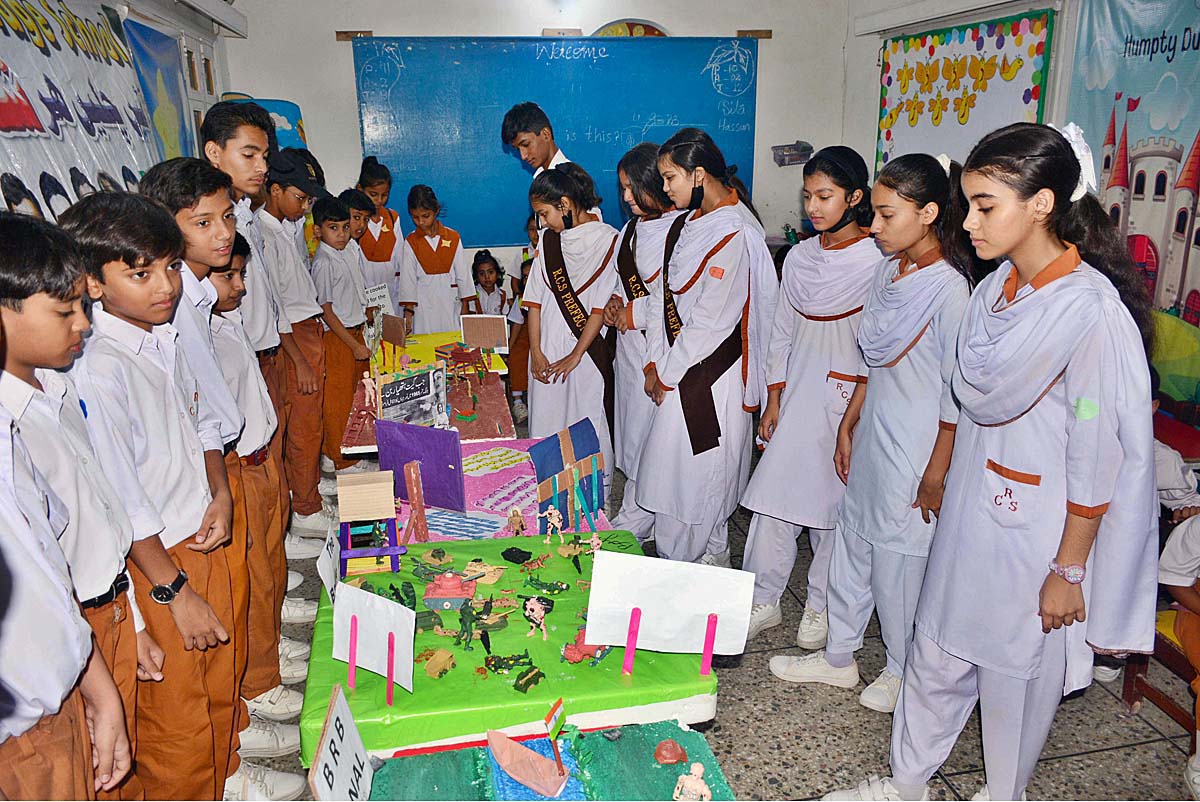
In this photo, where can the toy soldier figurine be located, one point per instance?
(466, 630)
(692, 786)
(516, 522)
(554, 522)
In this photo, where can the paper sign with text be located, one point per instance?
(381, 296)
(676, 599)
(377, 617)
(327, 564)
(341, 768)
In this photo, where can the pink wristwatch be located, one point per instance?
(1072, 573)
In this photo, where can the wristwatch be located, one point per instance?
(165, 594)
(1072, 573)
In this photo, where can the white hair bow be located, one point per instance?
(1087, 167)
(944, 160)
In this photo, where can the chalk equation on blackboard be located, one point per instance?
(380, 73)
(731, 68)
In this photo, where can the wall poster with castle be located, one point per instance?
(1135, 91)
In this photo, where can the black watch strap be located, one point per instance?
(179, 582)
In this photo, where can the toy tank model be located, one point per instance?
(449, 591)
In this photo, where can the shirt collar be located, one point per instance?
(268, 220)
(1063, 264)
(200, 293)
(126, 333)
(15, 394)
(332, 252)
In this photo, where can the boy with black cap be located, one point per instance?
(292, 186)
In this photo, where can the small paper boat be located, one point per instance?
(534, 771)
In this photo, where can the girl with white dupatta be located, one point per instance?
(638, 264)
(1047, 543)
(813, 366)
(899, 428)
(706, 328)
(569, 284)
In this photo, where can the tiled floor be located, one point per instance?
(781, 741)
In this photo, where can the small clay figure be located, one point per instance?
(595, 543)
(536, 608)
(554, 521)
(691, 786)
(516, 522)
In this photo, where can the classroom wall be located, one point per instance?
(803, 86)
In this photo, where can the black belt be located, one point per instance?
(272, 351)
(119, 586)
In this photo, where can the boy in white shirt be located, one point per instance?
(374, 273)
(45, 645)
(162, 451)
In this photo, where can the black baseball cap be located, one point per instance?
(293, 167)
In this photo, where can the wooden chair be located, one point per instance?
(1168, 652)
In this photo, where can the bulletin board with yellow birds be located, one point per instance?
(941, 91)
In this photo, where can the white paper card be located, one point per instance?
(341, 768)
(377, 617)
(381, 296)
(675, 598)
(328, 564)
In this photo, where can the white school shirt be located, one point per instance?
(297, 294)
(1175, 479)
(1179, 564)
(191, 321)
(438, 297)
(495, 302)
(340, 282)
(259, 313)
(295, 229)
(98, 533)
(240, 368)
(45, 641)
(147, 425)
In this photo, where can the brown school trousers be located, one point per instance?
(518, 362)
(268, 573)
(116, 642)
(237, 556)
(1187, 629)
(305, 419)
(342, 374)
(274, 374)
(185, 723)
(51, 760)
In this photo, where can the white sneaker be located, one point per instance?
(294, 580)
(315, 525)
(327, 486)
(872, 788)
(327, 465)
(814, 628)
(298, 611)
(268, 739)
(881, 695)
(720, 560)
(301, 548)
(520, 412)
(292, 670)
(814, 668)
(986, 796)
(1106, 673)
(277, 704)
(292, 649)
(1191, 776)
(763, 617)
(259, 782)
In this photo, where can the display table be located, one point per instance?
(470, 699)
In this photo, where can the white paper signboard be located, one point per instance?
(381, 296)
(377, 617)
(676, 599)
(327, 564)
(341, 768)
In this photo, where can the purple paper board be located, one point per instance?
(440, 455)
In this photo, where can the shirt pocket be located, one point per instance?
(1010, 495)
(838, 389)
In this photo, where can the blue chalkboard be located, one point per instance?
(431, 110)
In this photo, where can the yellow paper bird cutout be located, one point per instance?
(1009, 70)
(890, 118)
(963, 105)
(954, 70)
(937, 107)
(982, 71)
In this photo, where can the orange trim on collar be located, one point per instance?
(908, 266)
(730, 200)
(1063, 264)
(843, 244)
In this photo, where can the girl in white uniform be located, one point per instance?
(436, 286)
(813, 366)
(639, 266)
(570, 282)
(899, 428)
(1047, 541)
(706, 329)
(489, 284)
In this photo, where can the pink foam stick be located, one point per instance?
(635, 621)
(353, 663)
(391, 675)
(710, 639)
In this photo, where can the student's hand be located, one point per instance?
(360, 352)
(929, 496)
(539, 366)
(216, 528)
(105, 715)
(653, 387)
(841, 453)
(768, 422)
(559, 371)
(612, 312)
(1183, 513)
(306, 377)
(150, 657)
(1060, 603)
(196, 621)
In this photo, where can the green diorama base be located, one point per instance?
(469, 699)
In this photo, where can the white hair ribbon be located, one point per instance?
(1087, 167)
(944, 160)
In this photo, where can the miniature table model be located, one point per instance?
(469, 699)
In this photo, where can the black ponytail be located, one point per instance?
(691, 148)
(846, 169)
(567, 180)
(373, 173)
(1030, 157)
(921, 179)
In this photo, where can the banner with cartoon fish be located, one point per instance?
(941, 91)
(72, 116)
